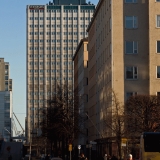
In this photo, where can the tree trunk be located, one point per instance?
(119, 150)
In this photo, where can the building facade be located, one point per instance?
(6, 109)
(68, 2)
(53, 33)
(123, 57)
(80, 60)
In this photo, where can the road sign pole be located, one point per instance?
(70, 155)
(79, 148)
(70, 149)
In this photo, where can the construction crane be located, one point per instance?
(19, 123)
(18, 133)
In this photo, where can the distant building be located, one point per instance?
(5, 101)
(80, 60)
(53, 34)
(69, 2)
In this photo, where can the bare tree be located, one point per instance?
(115, 120)
(61, 117)
(143, 114)
(140, 113)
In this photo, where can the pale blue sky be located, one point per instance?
(13, 48)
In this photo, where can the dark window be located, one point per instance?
(131, 47)
(6, 77)
(131, 1)
(129, 94)
(131, 72)
(158, 71)
(158, 46)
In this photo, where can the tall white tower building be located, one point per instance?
(53, 33)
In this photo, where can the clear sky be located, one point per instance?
(13, 48)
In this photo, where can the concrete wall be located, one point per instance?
(154, 57)
(141, 59)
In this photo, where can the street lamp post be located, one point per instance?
(79, 148)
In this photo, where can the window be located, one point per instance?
(6, 77)
(129, 94)
(130, 1)
(131, 72)
(6, 87)
(131, 47)
(85, 81)
(6, 72)
(158, 71)
(85, 98)
(158, 20)
(158, 46)
(158, 93)
(131, 22)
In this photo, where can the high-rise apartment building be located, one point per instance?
(53, 33)
(123, 57)
(5, 101)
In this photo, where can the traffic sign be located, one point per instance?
(70, 147)
(123, 142)
(79, 146)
